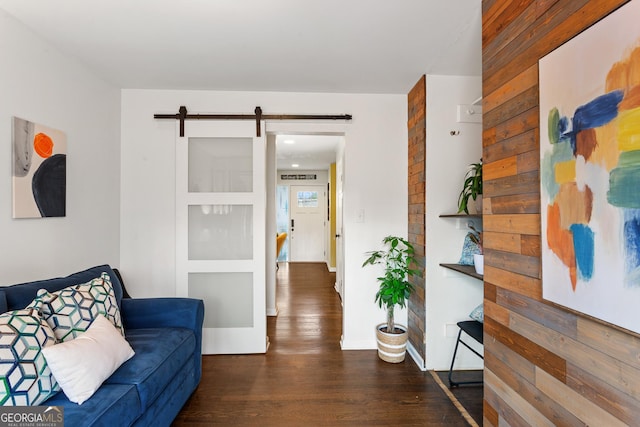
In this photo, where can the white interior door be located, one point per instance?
(220, 232)
(308, 213)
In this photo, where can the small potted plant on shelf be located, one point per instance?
(478, 259)
(471, 188)
(395, 289)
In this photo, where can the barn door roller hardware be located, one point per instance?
(257, 116)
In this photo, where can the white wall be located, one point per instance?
(450, 296)
(375, 184)
(40, 84)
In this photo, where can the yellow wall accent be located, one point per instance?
(332, 215)
(565, 172)
(629, 130)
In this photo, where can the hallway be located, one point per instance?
(305, 379)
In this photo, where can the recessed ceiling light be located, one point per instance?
(295, 165)
(289, 141)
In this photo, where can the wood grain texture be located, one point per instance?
(575, 403)
(624, 346)
(548, 316)
(516, 204)
(513, 146)
(619, 404)
(521, 103)
(548, 407)
(515, 399)
(500, 168)
(588, 369)
(525, 80)
(502, 357)
(516, 263)
(530, 245)
(524, 224)
(489, 292)
(618, 374)
(525, 347)
(507, 416)
(417, 121)
(496, 312)
(490, 415)
(525, 285)
(516, 125)
(524, 183)
(506, 242)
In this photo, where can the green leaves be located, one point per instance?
(397, 259)
(472, 186)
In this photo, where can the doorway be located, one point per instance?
(302, 161)
(307, 227)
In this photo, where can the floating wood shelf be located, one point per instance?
(468, 270)
(474, 216)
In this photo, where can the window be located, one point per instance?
(307, 199)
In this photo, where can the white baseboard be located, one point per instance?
(272, 312)
(416, 357)
(358, 345)
(331, 269)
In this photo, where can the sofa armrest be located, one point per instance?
(139, 313)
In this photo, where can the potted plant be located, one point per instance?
(395, 289)
(471, 188)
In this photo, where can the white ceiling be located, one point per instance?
(344, 46)
(364, 46)
(309, 152)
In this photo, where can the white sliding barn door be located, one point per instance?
(220, 231)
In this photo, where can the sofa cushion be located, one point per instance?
(19, 296)
(81, 365)
(160, 353)
(71, 310)
(4, 307)
(25, 377)
(111, 405)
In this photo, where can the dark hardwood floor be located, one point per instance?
(305, 379)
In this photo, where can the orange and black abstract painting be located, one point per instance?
(39, 170)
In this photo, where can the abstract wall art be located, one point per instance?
(590, 170)
(39, 170)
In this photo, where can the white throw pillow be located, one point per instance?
(81, 365)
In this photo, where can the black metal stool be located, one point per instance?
(473, 328)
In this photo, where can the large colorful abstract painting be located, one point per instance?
(39, 170)
(590, 170)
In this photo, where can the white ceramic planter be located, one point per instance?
(478, 263)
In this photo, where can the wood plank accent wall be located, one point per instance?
(417, 159)
(544, 365)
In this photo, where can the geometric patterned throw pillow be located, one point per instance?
(71, 310)
(25, 378)
(478, 313)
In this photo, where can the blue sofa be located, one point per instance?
(152, 386)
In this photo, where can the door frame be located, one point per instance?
(290, 128)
